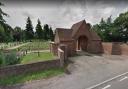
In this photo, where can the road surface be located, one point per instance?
(86, 70)
(120, 82)
(120, 85)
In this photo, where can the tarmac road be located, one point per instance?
(120, 85)
(118, 82)
(86, 70)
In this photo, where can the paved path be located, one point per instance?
(86, 70)
(17, 46)
(35, 51)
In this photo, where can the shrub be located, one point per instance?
(2, 57)
(9, 59)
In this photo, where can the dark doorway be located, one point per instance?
(82, 43)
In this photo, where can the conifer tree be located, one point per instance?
(29, 29)
(51, 34)
(46, 32)
(39, 30)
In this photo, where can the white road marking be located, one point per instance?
(123, 78)
(106, 87)
(97, 85)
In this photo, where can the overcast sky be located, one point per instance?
(62, 13)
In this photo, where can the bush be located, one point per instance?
(9, 59)
(2, 57)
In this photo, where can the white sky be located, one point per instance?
(62, 15)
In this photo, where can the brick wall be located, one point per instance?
(71, 47)
(115, 48)
(95, 47)
(107, 47)
(25, 68)
(124, 47)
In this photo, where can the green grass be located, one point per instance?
(33, 57)
(31, 76)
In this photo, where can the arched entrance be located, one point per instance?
(82, 43)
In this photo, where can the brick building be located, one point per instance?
(79, 37)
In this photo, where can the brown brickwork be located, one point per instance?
(79, 37)
(115, 48)
(25, 68)
(54, 48)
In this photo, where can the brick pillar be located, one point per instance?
(64, 48)
(54, 48)
(62, 54)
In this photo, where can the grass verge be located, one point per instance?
(33, 57)
(23, 78)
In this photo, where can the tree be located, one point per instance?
(46, 32)
(102, 30)
(121, 23)
(51, 34)
(18, 34)
(29, 29)
(7, 28)
(39, 30)
(23, 37)
(116, 30)
(109, 20)
(2, 21)
(2, 34)
(106, 30)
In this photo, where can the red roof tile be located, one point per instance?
(64, 34)
(94, 35)
(75, 27)
(67, 34)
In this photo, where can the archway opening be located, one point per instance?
(82, 43)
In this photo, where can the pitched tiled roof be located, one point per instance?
(64, 34)
(75, 27)
(94, 35)
(67, 34)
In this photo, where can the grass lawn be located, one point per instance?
(31, 76)
(33, 57)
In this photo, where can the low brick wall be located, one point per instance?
(115, 48)
(25, 68)
(107, 47)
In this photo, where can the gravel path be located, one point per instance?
(35, 51)
(17, 46)
(85, 72)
